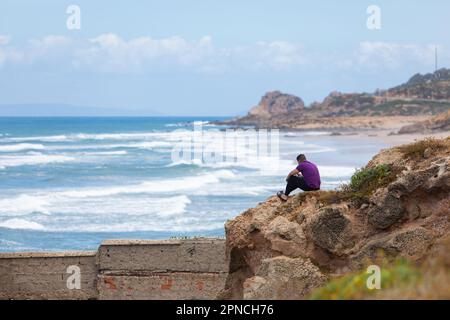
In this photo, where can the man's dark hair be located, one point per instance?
(301, 157)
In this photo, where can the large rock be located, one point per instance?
(275, 104)
(386, 209)
(284, 278)
(411, 243)
(331, 230)
(286, 237)
(427, 179)
(388, 204)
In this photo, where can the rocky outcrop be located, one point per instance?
(273, 105)
(331, 230)
(289, 278)
(437, 123)
(284, 250)
(386, 210)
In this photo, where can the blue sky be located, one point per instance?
(208, 57)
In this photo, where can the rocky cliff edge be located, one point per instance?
(397, 206)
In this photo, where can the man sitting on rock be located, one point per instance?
(306, 177)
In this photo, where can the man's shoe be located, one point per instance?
(282, 196)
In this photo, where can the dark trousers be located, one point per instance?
(295, 182)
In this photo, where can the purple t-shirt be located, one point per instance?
(311, 174)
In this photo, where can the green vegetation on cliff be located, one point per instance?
(400, 279)
(354, 286)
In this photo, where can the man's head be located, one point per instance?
(301, 158)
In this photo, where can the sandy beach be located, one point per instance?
(387, 137)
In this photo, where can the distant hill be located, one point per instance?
(421, 95)
(63, 110)
(434, 86)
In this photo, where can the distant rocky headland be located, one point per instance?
(421, 97)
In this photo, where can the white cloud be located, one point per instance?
(8, 53)
(391, 55)
(4, 39)
(111, 53)
(51, 41)
(276, 55)
(51, 48)
(281, 54)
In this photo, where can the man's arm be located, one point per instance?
(292, 173)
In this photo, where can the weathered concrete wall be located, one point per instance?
(120, 269)
(45, 275)
(173, 269)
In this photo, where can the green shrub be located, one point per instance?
(362, 185)
(366, 180)
(365, 177)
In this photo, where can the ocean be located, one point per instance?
(69, 183)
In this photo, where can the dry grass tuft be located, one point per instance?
(416, 150)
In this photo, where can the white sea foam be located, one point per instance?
(119, 214)
(32, 159)
(176, 125)
(172, 225)
(20, 147)
(9, 243)
(56, 138)
(315, 133)
(24, 204)
(314, 148)
(177, 135)
(237, 189)
(21, 224)
(83, 136)
(148, 145)
(282, 167)
(58, 200)
(57, 203)
(184, 184)
(196, 162)
(336, 171)
(222, 161)
(112, 136)
(106, 153)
